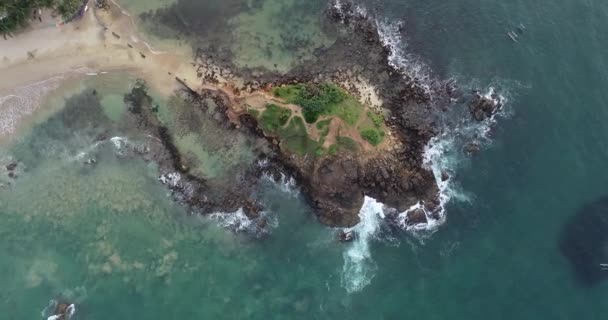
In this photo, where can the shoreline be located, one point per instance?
(99, 42)
(335, 185)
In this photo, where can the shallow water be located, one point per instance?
(109, 237)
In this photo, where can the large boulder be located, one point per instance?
(334, 191)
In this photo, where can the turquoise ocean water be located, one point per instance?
(108, 237)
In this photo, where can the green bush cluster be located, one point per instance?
(274, 117)
(377, 119)
(315, 99)
(15, 14)
(372, 136)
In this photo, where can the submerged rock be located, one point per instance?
(583, 241)
(11, 166)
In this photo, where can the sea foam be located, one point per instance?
(359, 267)
(442, 154)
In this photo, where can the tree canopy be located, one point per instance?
(15, 14)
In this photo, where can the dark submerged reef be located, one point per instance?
(231, 191)
(584, 242)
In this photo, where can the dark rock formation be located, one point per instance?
(482, 107)
(346, 236)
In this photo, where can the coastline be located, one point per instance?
(86, 47)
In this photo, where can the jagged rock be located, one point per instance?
(346, 236)
(472, 148)
(482, 107)
(252, 208)
(335, 193)
(416, 216)
(444, 176)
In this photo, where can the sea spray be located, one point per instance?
(407, 64)
(359, 267)
(238, 221)
(286, 184)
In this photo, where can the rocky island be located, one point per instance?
(347, 125)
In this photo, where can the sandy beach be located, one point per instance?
(37, 60)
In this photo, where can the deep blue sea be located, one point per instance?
(526, 228)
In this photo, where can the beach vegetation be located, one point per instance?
(16, 14)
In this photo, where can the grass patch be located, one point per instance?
(295, 138)
(323, 127)
(274, 117)
(321, 99)
(254, 112)
(373, 136)
(377, 119)
(347, 143)
(333, 149)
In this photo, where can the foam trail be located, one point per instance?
(239, 222)
(359, 267)
(408, 65)
(286, 184)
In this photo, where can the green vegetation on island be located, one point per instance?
(15, 14)
(295, 139)
(274, 117)
(321, 104)
(373, 136)
(321, 99)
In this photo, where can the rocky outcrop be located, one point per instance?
(482, 107)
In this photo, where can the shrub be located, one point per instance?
(347, 143)
(377, 119)
(372, 136)
(333, 149)
(315, 99)
(274, 117)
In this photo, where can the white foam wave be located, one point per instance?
(359, 267)
(24, 101)
(286, 184)
(444, 154)
(359, 10)
(238, 221)
(155, 52)
(123, 11)
(399, 59)
(171, 179)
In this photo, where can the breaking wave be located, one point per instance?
(359, 267)
(443, 155)
(238, 221)
(408, 65)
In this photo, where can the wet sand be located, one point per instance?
(100, 42)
